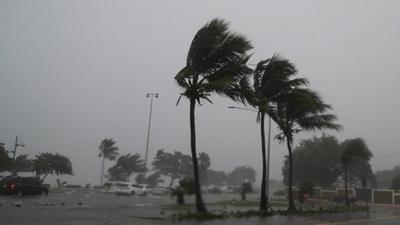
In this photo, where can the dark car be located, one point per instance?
(15, 185)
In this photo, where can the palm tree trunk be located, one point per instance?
(263, 202)
(199, 200)
(346, 194)
(291, 201)
(102, 170)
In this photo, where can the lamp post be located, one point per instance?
(268, 146)
(13, 169)
(151, 96)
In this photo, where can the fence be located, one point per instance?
(385, 196)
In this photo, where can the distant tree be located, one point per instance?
(359, 170)
(215, 177)
(109, 151)
(396, 182)
(48, 163)
(23, 164)
(215, 63)
(5, 160)
(125, 166)
(384, 178)
(204, 163)
(174, 165)
(315, 161)
(240, 174)
(152, 180)
(177, 165)
(354, 151)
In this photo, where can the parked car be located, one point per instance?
(123, 188)
(15, 185)
(141, 189)
(160, 191)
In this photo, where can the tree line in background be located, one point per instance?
(42, 165)
(325, 162)
(176, 166)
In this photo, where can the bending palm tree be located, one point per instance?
(273, 78)
(216, 63)
(300, 109)
(109, 151)
(354, 151)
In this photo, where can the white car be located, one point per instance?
(123, 188)
(160, 191)
(141, 189)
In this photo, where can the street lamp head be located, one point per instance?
(156, 95)
(147, 95)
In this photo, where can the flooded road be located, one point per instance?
(95, 208)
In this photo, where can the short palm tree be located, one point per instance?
(300, 109)
(272, 78)
(109, 151)
(216, 63)
(354, 151)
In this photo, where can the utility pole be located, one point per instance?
(13, 169)
(149, 95)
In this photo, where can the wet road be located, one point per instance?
(93, 208)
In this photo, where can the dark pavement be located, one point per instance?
(94, 208)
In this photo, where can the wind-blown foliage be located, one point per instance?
(315, 161)
(216, 63)
(177, 165)
(152, 180)
(355, 151)
(125, 166)
(174, 165)
(5, 160)
(23, 164)
(272, 79)
(109, 151)
(240, 174)
(300, 109)
(48, 163)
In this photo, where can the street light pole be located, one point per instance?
(268, 147)
(151, 96)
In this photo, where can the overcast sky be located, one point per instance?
(75, 72)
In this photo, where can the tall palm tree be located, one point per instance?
(109, 151)
(354, 151)
(216, 63)
(272, 78)
(300, 109)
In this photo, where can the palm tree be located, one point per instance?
(126, 165)
(300, 109)
(109, 151)
(216, 63)
(354, 151)
(272, 78)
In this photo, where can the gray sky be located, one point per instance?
(75, 72)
